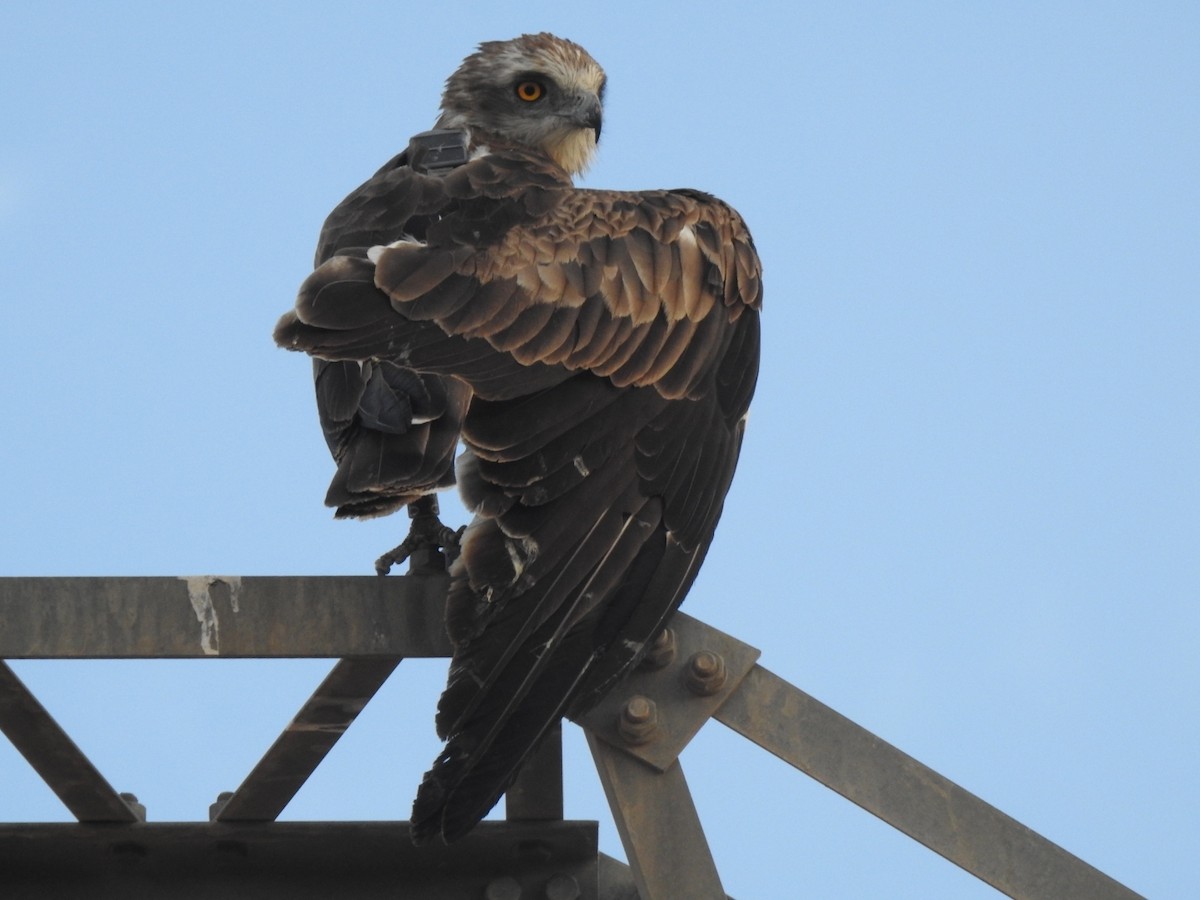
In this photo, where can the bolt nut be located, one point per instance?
(638, 721)
(214, 809)
(135, 807)
(504, 888)
(661, 653)
(562, 887)
(705, 673)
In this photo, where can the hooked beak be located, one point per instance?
(588, 114)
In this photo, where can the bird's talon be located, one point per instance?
(430, 546)
(399, 554)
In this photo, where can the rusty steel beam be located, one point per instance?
(644, 724)
(537, 794)
(297, 861)
(211, 616)
(909, 796)
(659, 827)
(54, 756)
(306, 741)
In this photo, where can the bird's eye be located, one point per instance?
(529, 91)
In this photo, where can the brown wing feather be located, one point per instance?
(652, 258)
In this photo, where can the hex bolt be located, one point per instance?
(503, 888)
(214, 809)
(562, 887)
(661, 653)
(705, 673)
(136, 808)
(639, 720)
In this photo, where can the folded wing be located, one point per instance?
(610, 344)
(393, 432)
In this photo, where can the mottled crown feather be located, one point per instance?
(565, 124)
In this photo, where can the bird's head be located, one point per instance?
(537, 91)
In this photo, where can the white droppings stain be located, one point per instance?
(581, 466)
(206, 613)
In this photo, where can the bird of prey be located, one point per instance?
(594, 352)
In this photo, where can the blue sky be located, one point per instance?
(967, 511)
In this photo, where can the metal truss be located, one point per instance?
(695, 673)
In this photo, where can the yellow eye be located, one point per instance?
(529, 91)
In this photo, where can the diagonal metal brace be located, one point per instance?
(659, 827)
(909, 796)
(636, 734)
(652, 716)
(302, 746)
(54, 756)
